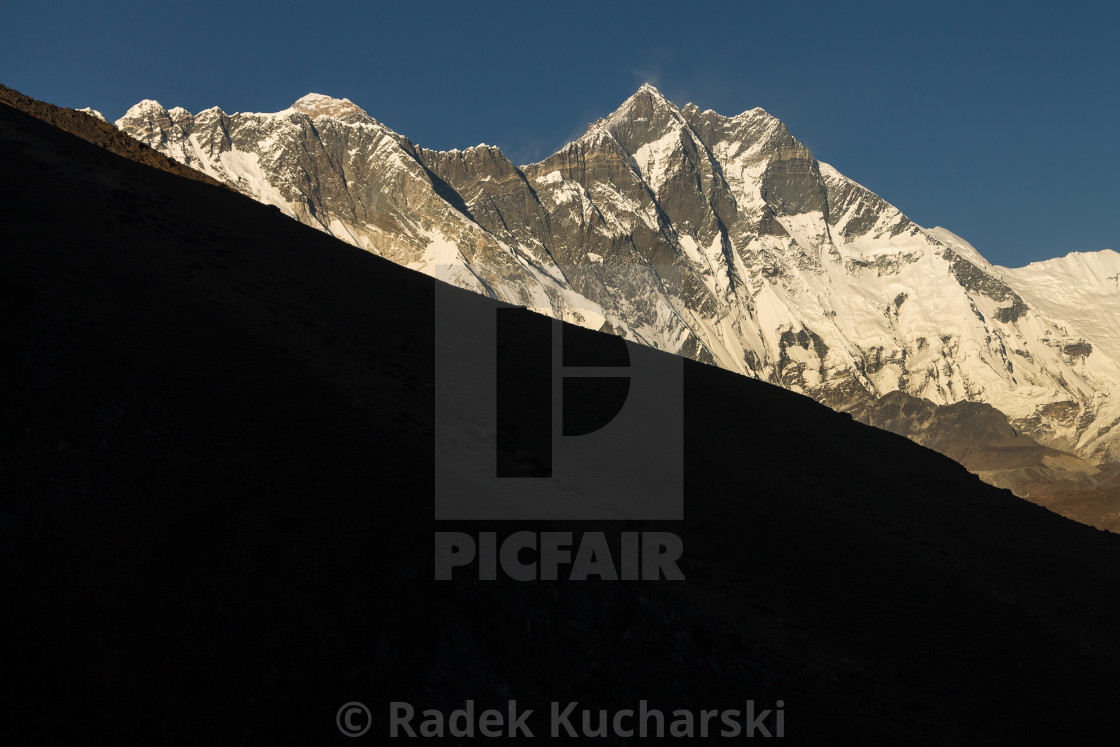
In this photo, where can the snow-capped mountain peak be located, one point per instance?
(145, 110)
(719, 238)
(94, 113)
(316, 105)
(1080, 290)
(647, 111)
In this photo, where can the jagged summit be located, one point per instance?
(316, 105)
(143, 108)
(313, 105)
(471, 149)
(144, 117)
(650, 92)
(313, 98)
(93, 113)
(649, 97)
(646, 104)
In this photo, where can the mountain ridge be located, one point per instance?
(91, 125)
(719, 238)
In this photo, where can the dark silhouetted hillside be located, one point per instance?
(217, 514)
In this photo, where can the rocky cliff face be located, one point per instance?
(719, 238)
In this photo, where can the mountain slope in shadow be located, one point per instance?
(216, 462)
(974, 434)
(980, 437)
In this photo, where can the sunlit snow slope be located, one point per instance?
(720, 238)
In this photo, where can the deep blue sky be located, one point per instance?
(998, 122)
